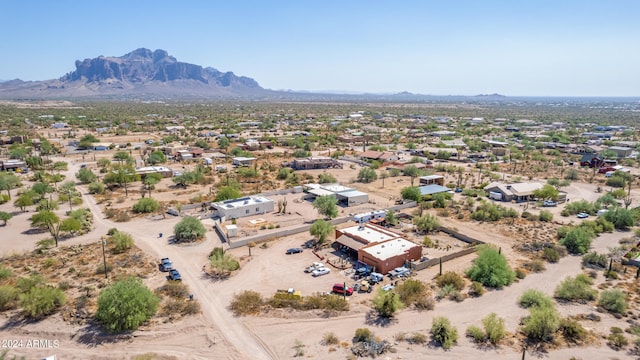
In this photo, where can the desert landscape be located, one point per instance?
(196, 318)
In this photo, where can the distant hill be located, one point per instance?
(139, 74)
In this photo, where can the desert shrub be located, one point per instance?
(125, 305)
(476, 334)
(247, 302)
(520, 273)
(122, 241)
(8, 296)
(579, 206)
(491, 268)
(146, 205)
(613, 301)
(594, 260)
(174, 289)
(535, 266)
(616, 339)
(533, 297)
(578, 240)
(443, 333)
(5, 273)
(96, 188)
(541, 324)
(64, 285)
(101, 268)
(41, 300)
(545, 215)
(572, 331)
(450, 278)
(417, 338)
(362, 335)
(188, 229)
(494, 328)
(386, 303)
(476, 289)
(425, 303)
(446, 291)
(576, 289)
(551, 254)
(411, 290)
(112, 231)
(223, 263)
(330, 338)
(26, 283)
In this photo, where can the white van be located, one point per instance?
(609, 174)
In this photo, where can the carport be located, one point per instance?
(348, 245)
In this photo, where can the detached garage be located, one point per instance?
(388, 255)
(353, 197)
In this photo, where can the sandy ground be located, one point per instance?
(216, 333)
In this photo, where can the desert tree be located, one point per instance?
(326, 205)
(321, 229)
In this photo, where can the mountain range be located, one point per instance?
(141, 73)
(155, 75)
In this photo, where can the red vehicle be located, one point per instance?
(606, 169)
(339, 289)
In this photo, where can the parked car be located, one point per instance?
(339, 289)
(294, 251)
(602, 212)
(165, 264)
(175, 275)
(363, 286)
(314, 266)
(388, 287)
(582, 215)
(548, 203)
(320, 271)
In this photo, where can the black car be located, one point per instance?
(294, 251)
(175, 275)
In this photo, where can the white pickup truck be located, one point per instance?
(314, 266)
(399, 272)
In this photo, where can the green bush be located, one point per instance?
(576, 289)
(541, 324)
(5, 273)
(386, 303)
(551, 254)
(491, 268)
(8, 296)
(96, 188)
(545, 216)
(617, 340)
(533, 297)
(443, 333)
(476, 334)
(146, 205)
(594, 260)
(125, 305)
(363, 335)
(122, 241)
(476, 289)
(188, 229)
(572, 331)
(613, 301)
(411, 290)
(578, 240)
(450, 278)
(535, 266)
(41, 300)
(494, 328)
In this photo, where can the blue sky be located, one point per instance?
(516, 48)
